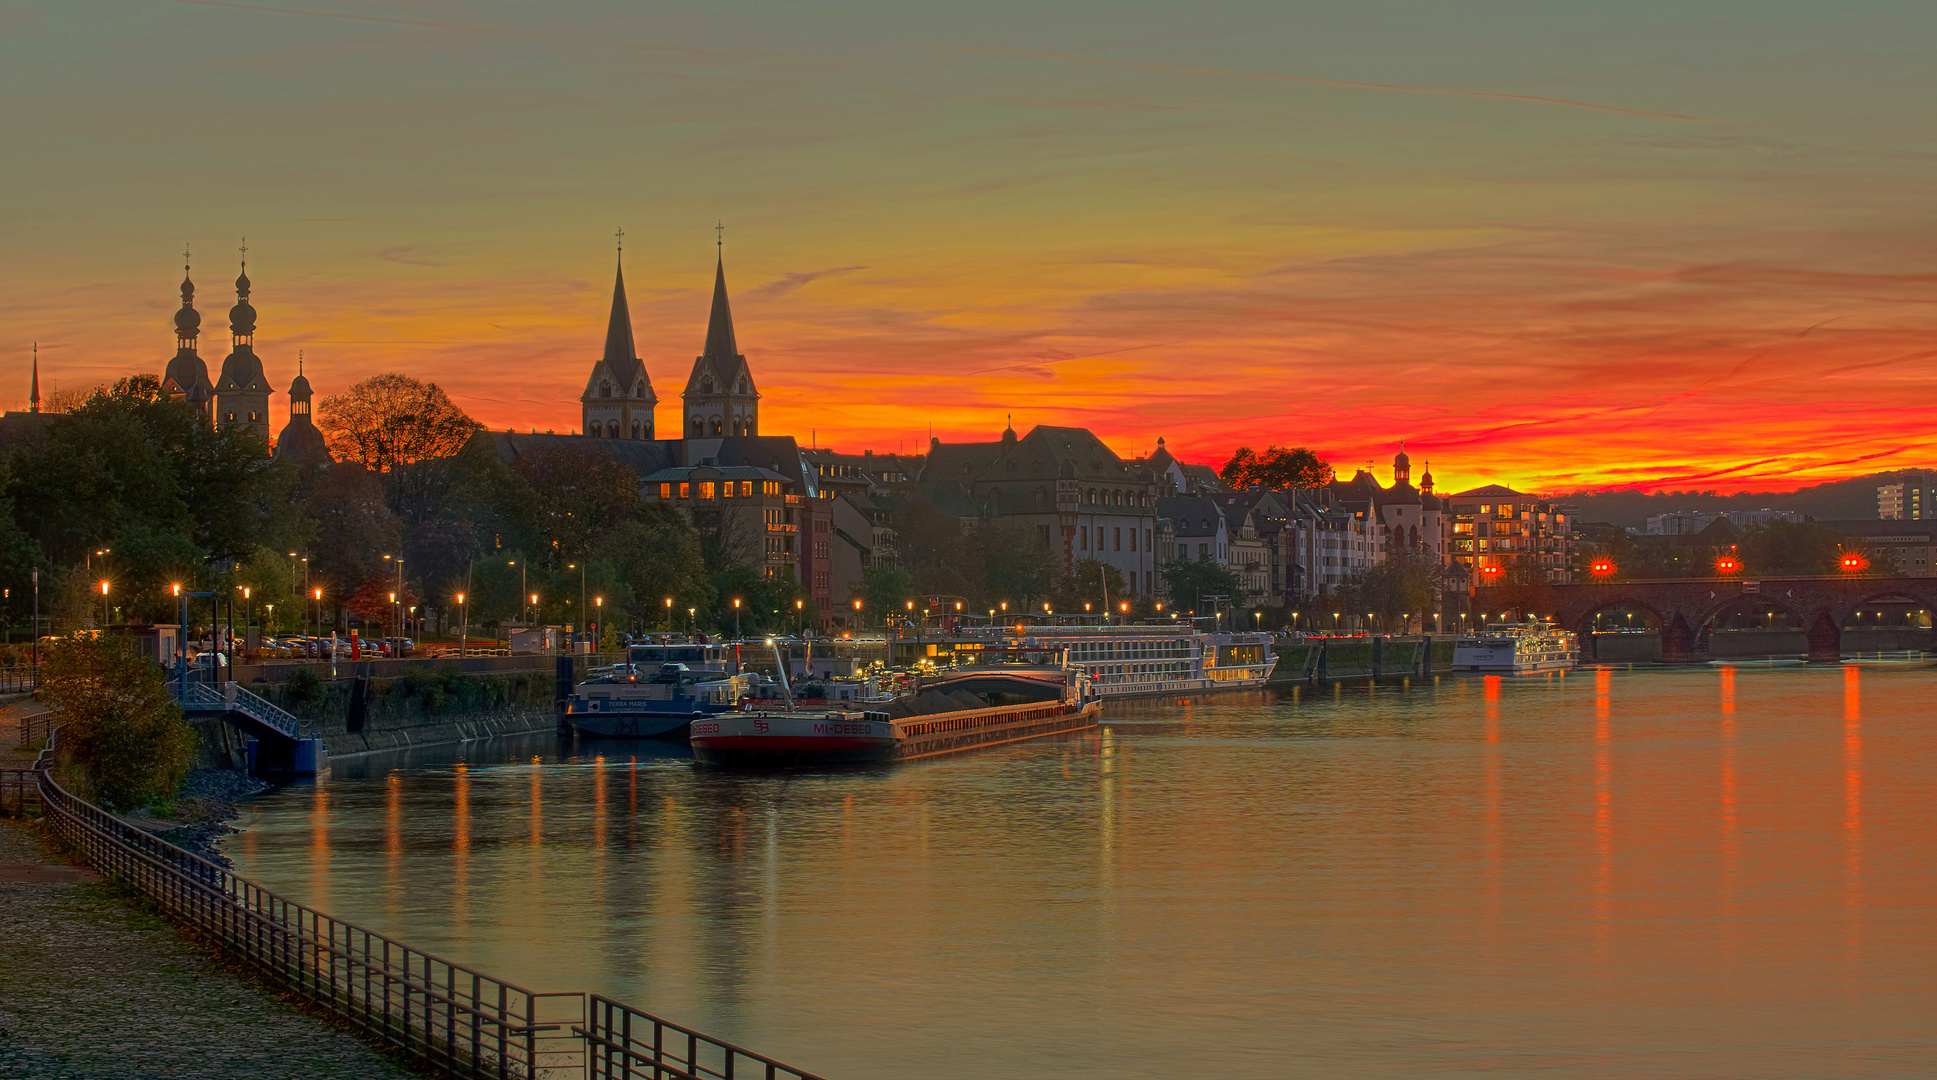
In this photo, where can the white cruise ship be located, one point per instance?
(1517, 649)
(1126, 661)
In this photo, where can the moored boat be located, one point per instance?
(625, 702)
(1517, 649)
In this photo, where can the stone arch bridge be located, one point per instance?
(1683, 607)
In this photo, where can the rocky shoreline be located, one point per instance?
(207, 803)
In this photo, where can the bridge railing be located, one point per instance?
(453, 1018)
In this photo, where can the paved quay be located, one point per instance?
(93, 989)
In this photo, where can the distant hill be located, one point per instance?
(1840, 500)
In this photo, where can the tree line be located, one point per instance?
(134, 490)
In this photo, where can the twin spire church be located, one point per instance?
(719, 401)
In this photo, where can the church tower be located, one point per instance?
(186, 377)
(242, 394)
(301, 443)
(1401, 467)
(618, 399)
(720, 396)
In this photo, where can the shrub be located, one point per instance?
(301, 686)
(118, 722)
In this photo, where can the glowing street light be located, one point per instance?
(464, 622)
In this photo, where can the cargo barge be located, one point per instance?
(794, 736)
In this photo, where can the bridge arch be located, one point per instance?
(1582, 621)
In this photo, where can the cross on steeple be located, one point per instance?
(184, 256)
(244, 249)
(719, 234)
(621, 237)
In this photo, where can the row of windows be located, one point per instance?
(726, 489)
(1083, 538)
(741, 425)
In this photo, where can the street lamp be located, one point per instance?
(104, 605)
(690, 614)
(857, 614)
(580, 567)
(598, 607)
(800, 615)
(319, 612)
(736, 618)
(464, 622)
(669, 614)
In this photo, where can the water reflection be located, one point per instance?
(1654, 873)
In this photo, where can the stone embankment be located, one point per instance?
(369, 706)
(1363, 658)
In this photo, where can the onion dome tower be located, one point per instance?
(1426, 480)
(1401, 467)
(186, 374)
(618, 398)
(720, 397)
(242, 393)
(301, 443)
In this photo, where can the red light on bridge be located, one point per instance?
(1490, 571)
(1601, 567)
(1852, 563)
(1728, 564)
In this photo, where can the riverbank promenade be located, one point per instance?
(93, 988)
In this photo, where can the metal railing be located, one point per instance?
(445, 1015)
(17, 681)
(231, 697)
(36, 730)
(623, 1043)
(18, 789)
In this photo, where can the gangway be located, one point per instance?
(277, 744)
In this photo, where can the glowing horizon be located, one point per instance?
(1649, 253)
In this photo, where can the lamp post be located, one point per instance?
(580, 567)
(598, 605)
(736, 618)
(464, 622)
(857, 614)
(319, 612)
(393, 615)
(104, 605)
(669, 614)
(800, 615)
(692, 614)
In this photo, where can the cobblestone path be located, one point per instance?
(91, 989)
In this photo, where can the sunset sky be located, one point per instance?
(1554, 245)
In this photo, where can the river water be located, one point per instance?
(1696, 872)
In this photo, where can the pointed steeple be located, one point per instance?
(619, 350)
(720, 397)
(33, 399)
(618, 398)
(719, 327)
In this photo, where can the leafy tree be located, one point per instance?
(883, 589)
(577, 495)
(1406, 583)
(1017, 566)
(1097, 583)
(118, 722)
(391, 420)
(649, 558)
(1791, 548)
(1189, 580)
(1277, 468)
